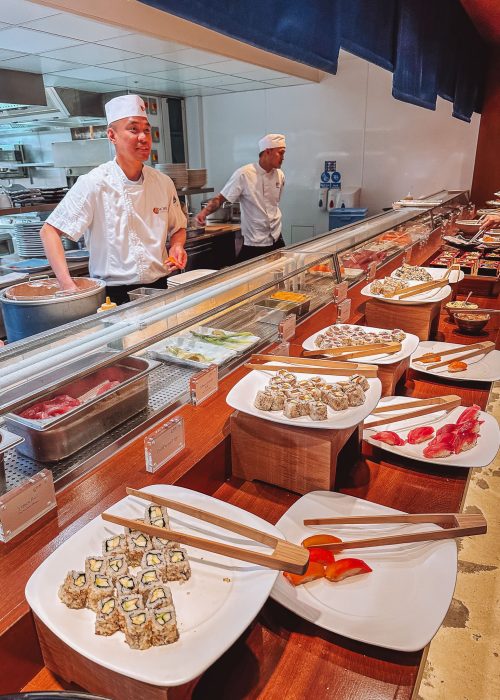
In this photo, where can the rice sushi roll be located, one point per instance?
(278, 400)
(100, 587)
(263, 401)
(338, 401)
(128, 604)
(157, 516)
(115, 545)
(138, 629)
(355, 395)
(178, 568)
(146, 579)
(161, 544)
(360, 381)
(137, 544)
(107, 621)
(94, 565)
(163, 626)
(125, 585)
(116, 565)
(73, 592)
(159, 597)
(318, 410)
(292, 408)
(154, 558)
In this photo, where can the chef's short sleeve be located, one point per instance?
(73, 215)
(233, 188)
(176, 217)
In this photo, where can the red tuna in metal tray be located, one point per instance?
(389, 437)
(56, 406)
(470, 413)
(418, 435)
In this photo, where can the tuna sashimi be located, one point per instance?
(420, 435)
(470, 426)
(470, 413)
(465, 440)
(107, 386)
(447, 428)
(442, 446)
(389, 437)
(56, 406)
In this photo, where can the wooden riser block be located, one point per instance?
(390, 375)
(296, 459)
(75, 668)
(421, 320)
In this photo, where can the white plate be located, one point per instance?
(437, 273)
(242, 396)
(211, 612)
(482, 368)
(399, 605)
(408, 346)
(424, 298)
(214, 354)
(241, 347)
(479, 456)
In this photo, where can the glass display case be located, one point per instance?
(76, 393)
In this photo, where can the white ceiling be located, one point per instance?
(72, 51)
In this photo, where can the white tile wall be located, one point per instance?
(382, 145)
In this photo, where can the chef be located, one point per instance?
(257, 187)
(127, 212)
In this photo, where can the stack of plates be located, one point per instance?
(186, 277)
(26, 237)
(177, 171)
(197, 177)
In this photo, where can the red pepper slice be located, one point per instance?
(323, 556)
(313, 571)
(343, 568)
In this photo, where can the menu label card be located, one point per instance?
(25, 504)
(287, 327)
(282, 350)
(164, 443)
(343, 311)
(340, 291)
(371, 273)
(204, 384)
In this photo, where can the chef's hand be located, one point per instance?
(201, 217)
(490, 221)
(177, 258)
(69, 286)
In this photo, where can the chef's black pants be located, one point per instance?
(248, 252)
(119, 293)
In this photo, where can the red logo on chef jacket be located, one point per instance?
(158, 210)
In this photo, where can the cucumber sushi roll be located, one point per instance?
(159, 597)
(178, 568)
(73, 592)
(100, 586)
(107, 621)
(137, 544)
(138, 629)
(163, 626)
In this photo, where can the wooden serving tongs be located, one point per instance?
(302, 365)
(422, 406)
(453, 524)
(348, 352)
(285, 557)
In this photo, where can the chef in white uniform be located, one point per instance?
(257, 187)
(127, 212)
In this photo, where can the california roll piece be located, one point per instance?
(125, 585)
(94, 565)
(116, 565)
(107, 621)
(100, 587)
(154, 558)
(156, 515)
(292, 408)
(114, 545)
(263, 401)
(138, 629)
(161, 544)
(147, 578)
(318, 410)
(137, 544)
(163, 626)
(158, 597)
(73, 592)
(287, 376)
(278, 400)
(360, 381)
(355, 395)
(338, 400)
(178, 568)
(128, 604)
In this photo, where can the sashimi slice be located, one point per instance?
(421, 434)
(470, 426)
(389, 437)
(442, 446)
(470, 413)
(447, 428)
(465, 441)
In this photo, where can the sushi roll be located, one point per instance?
(317, 381)
(360, 381)
(73, 592)
(318, 410)
(325, 390)
(178, 568)
(125, 585)
(292, 409)
(159, 597)
(100, 587)
(278, 401)
(338, 401)
(116, 565)
(138, 630)
(287, 376)
(128, 604)
(155, 558)
(137, 544)
(107, 621)
(316, 393)
(161, 544)
(304, 402)
(146, 579)
(398, 334)
(263, 401)
(163, 626)
(156, 515)
(94, 565)
(355, 395)
(114, 545)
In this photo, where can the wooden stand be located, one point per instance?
(75, 668)
(420, 319)
(390, 375)
(297, 459)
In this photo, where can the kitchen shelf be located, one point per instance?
(195, 190)
(27, 209)
(15, 165)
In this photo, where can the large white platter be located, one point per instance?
(213, 608)
(408, 346)
(479, 456)
(242, 395)
(437, 273)
(424, 298)
(399, 605)
(482, 368)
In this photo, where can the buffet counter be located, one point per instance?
(279, 653)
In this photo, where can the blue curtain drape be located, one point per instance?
(431, 46)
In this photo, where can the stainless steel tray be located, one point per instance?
(7, 441)
(54, 439)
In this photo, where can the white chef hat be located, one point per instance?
(124, 106)
(272, 141)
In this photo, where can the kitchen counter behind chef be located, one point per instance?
(127, 212)
(257, 187)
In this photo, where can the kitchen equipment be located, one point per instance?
(33, 307)
(235, 213)
(468, 324)
(53, 439)
(220, 215)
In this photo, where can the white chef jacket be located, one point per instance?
(126, 224)
(258, 193)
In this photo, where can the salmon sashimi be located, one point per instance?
(420, 435)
